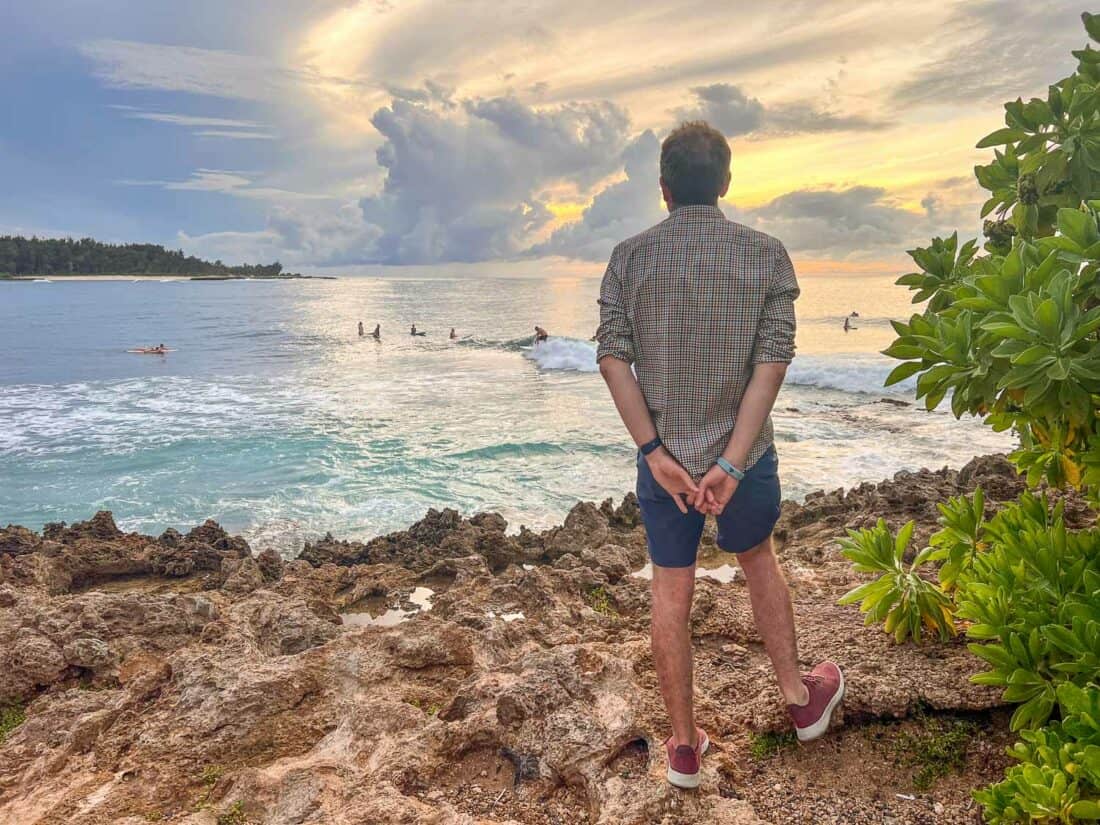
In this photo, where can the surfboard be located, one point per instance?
(150, 352)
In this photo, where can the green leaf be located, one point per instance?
(1000, 137)
(1092, 24)
(1077, 226)
(902, 371)
(1085, 809)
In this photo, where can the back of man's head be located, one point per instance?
(695, 164)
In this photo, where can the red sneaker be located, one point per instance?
(684, 761)
(826, 686)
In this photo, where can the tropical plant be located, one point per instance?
(1058, 775)
(907, 603)
(1013, 336)
(960, 540)
(1034, 600)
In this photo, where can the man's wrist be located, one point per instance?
(730, 469)
(651, 445)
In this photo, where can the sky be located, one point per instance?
(496, 136)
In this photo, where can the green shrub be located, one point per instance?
(1058, 775)
(1034, 599)
(906, 603)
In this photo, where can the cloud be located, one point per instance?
(854, 223)
(805, 117)
(296, 236)
(215, 127)
(725, 107)
(622, 209)
(129, 64)
(185, 120)
(239, 184)
(731, 110)
(995, 50)
(462, 184)
(227, 133)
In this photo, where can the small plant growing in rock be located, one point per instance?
(233, 815)
(600, 600)
(11, 717)
(906, 603)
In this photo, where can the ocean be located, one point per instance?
(275, 418)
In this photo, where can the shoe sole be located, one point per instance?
(818, 728)
(689, 781)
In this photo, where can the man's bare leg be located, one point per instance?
(672, 589)
(771, 607)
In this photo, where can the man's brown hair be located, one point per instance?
(695, 163)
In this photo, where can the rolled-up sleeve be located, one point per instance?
(616, 332)
(775, 332)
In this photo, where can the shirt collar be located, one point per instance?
(695, 210)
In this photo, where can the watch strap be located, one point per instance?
(729, 469)
(650, 446)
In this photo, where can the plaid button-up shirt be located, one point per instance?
(694, 302)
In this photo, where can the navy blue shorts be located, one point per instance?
(748, 519)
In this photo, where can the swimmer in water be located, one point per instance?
(540, 335)
(454, 335)
(361, 331)
(377, 334)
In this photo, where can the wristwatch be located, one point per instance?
(730, 469)
(650, 446)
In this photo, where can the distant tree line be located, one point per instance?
(65, 256)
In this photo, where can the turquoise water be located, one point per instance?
(274, 417)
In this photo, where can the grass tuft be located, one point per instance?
(766, 745)
(233, 815)
(11, 717)
(936, 750)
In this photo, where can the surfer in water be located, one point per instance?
(848, 324)
(412, 331)
(540, 335)
(159, 349)
(454, 335)
(377, 334)
(361, 331)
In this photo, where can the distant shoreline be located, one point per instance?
(167, 277)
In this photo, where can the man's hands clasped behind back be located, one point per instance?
(709, 496)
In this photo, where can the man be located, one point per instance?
(362, 332)
(540, 335)
(704, 310)
(377, 334)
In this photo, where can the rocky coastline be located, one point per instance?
(458, 674)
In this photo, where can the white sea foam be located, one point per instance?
(848, 373)
(862, 373)
(569, 354)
